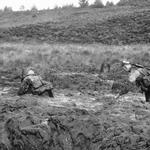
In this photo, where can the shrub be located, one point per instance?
(109, 4)
(83, 3)
(22, 8)
(8, 9)
(34, 9)
(67, 6)
(97, 4)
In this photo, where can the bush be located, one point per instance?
(97, 4)
(34, 9)
(22, 8)
(83, 3)
(109, 4)
(67, 6)
(8, 9)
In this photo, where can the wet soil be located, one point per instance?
(73, 120)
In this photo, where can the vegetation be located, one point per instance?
(34, 9)
(22, 8)
(97, 4)
(109, 4)
(83, 3)
(116, 26)
(85, 113)
(134, 3)
(50, 60)
(7, 9)
(70, 6)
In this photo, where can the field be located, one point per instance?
(82, 103)
(116, 25)
(84, 113)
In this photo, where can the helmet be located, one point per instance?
(125, 62)
(126, 65)
(30, 72)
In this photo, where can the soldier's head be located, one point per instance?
(30, 72)
(126, 65)
(134, 73)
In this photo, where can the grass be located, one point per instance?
(116, 25)
(57, 62)
(47, 58)
(67, 16)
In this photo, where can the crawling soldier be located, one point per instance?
(34, 84)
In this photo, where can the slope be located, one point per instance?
(113, 27)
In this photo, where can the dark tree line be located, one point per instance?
(99, 4)
(96, 4)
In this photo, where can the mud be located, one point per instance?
(74, 120)
(84, 115)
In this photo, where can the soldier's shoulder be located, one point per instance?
(27, 78)
(144, 71)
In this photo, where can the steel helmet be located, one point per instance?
(30, 72)
(126, 65)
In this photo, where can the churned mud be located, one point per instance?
(73, 120)
(84, 113)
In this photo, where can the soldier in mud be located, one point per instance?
(34, 84)
(140, 75)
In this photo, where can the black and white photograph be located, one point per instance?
(75, 75)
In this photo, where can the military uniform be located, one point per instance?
(141, 76)
(35, 85)
(143, 81)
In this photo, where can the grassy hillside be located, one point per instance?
(116, 25)
(84, 113)
(69, 65)
(67, 16)
(134, 2)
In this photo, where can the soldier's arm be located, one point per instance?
(140, 83)
(24, 87)
(43, 81)
(48, 84)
